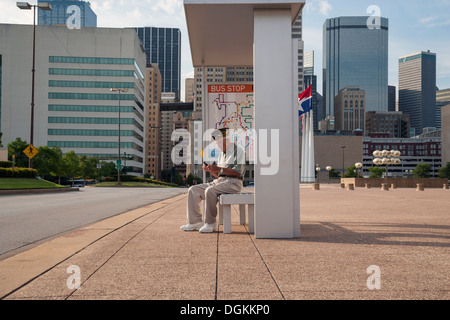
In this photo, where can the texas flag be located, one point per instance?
(305, 101)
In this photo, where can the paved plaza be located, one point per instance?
(361, 244)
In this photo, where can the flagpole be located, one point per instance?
(302, 174)
(307, 165)
(311, 147)
(308, 149)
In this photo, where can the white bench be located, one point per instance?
(241, 199)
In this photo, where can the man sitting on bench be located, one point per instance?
(229, 173)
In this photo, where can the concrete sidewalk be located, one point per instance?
(142, 254)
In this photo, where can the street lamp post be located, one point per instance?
(119, 164)
(318, 171)
(27, 6)
(328, 169)
(386, 158)
(358, 167)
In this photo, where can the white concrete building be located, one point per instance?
(74, 107)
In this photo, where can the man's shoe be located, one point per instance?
(192, 227)
(207, 228)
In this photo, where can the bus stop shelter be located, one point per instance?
(258, 32)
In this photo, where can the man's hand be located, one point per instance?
(212, 168)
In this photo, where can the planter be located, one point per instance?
(398, 182)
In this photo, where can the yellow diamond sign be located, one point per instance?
(30, 151)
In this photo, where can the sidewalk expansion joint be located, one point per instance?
(128, 241)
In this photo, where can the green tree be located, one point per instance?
(376, 172)
(59, 169)
(47, 161)
(72, 165)
(88, 167)
(16, 148)
(191, 178)
(178, 179)
(422, 170)
(351, 172)
(107, 169)
(444, 172)
(334, 174)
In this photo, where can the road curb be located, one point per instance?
(37, 191)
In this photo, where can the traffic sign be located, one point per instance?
(119, 167)
(118, 161)
(30, 151)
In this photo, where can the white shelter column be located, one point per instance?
(276, 191)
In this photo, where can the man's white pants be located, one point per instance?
(209, 192)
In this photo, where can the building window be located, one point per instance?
(91, 60)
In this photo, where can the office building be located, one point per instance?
(392, 98)
(173, 116)
(74, 107)
(61, 13)
(297, 30)
(417, 89)
(327, 124)
(445, 134)
(442, 99)
(152, 157)
(390, 124)
(349, 109)
(189, 90)
(413, 151)
(163, 47)
(311, 79)
(354, 55)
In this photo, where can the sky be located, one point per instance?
(414, 25)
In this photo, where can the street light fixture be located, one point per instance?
(358, 166)
(119, 164)
(329, 169)
(386, 158)
(318, 171)
(27, 6)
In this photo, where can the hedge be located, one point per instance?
(6, 164)
(125, 178)
(18, 173)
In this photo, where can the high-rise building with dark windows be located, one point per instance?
(355, 54)
(417, 89)
(61, 13)
(163, 47)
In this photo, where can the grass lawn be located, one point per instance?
(130, 184)
(22, 183)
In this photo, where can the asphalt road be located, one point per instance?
(27, 220)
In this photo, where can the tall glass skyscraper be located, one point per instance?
(355, 55)
(311, 79)
(163, 47)
(59, 15)
(417, 89)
